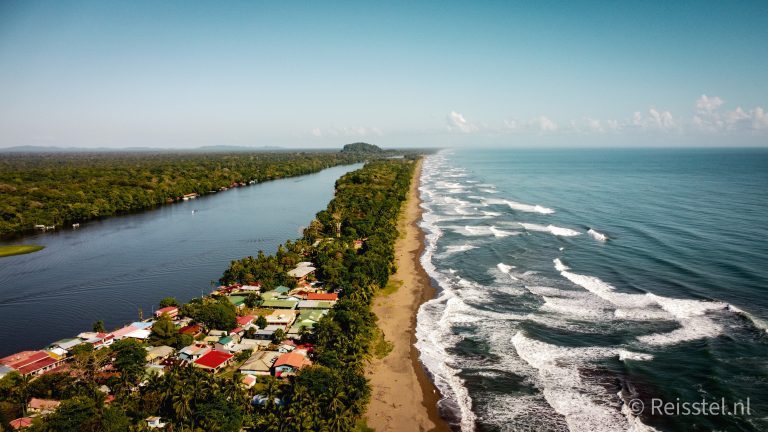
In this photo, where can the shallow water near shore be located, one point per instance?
(572, 283)
(110, 269)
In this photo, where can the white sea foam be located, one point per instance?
(552, 229)
(514, 205)
(475, 231)
(504, 267)
(636, 356)
(559, 266)
(450, 250)
(583, 308)
(757, 322)
(689, 314)
(597, 235)
(585, 406)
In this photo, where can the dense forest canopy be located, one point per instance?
(361, 147)
(64, 188)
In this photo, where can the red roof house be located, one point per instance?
(20, 423)
(193, 330)
(214, 360)
(244, 320)
(31, 362)
(323, 296)
(171, 311)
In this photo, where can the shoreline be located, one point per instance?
(403, 397)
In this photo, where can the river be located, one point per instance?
(109, 269)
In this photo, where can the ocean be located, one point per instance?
(597, 290)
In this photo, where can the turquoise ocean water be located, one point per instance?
(598, 290)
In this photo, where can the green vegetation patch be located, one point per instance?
(19, 249)
(381, 346)
(391, 287)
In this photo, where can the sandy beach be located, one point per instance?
(403, 397)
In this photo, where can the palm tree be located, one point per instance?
(182, 407)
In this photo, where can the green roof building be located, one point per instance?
(279, 304)
(237, 301)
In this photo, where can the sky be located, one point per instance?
(399, 74)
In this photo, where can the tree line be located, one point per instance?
(64, 188)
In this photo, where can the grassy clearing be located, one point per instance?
(381, 346)
(18, 249)
(362, 426)
(391, 287)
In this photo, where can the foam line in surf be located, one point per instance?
(597, 235)
(518, 206)
(552, 229)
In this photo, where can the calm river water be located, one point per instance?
(109, 269)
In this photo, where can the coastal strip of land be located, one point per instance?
(403, 398)
(11, 250)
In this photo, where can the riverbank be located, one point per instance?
(403, 397)
(11, 250)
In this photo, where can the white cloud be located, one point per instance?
(544, 124)
(707, 116)
(653, 120)
(710, 119)
(317, 132)
(708, 104)
(457, 123)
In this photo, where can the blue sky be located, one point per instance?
(313, 74)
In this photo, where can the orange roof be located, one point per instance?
(43, 404)
(21, 422)
(296, 361)
(322, 296)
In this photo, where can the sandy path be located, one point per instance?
(403, 397)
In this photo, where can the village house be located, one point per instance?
(251, 344)
(31, 362)
(193, 352)
(322, 296)
(21, 423)
(245, 321)
(279, 304)
(302, 271)
(155, 422)
(307, 319)
(171, 311)
(251, 288)
(290, 363)
(193, 330)
(156, 355)
(42, 406)
(98, 340)
(316, 304)
(226, 344)
(282, 318)
(248, 381)
(66, 344)
(267, 333)
(260, 363)
(237, 301)
(213, 361)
